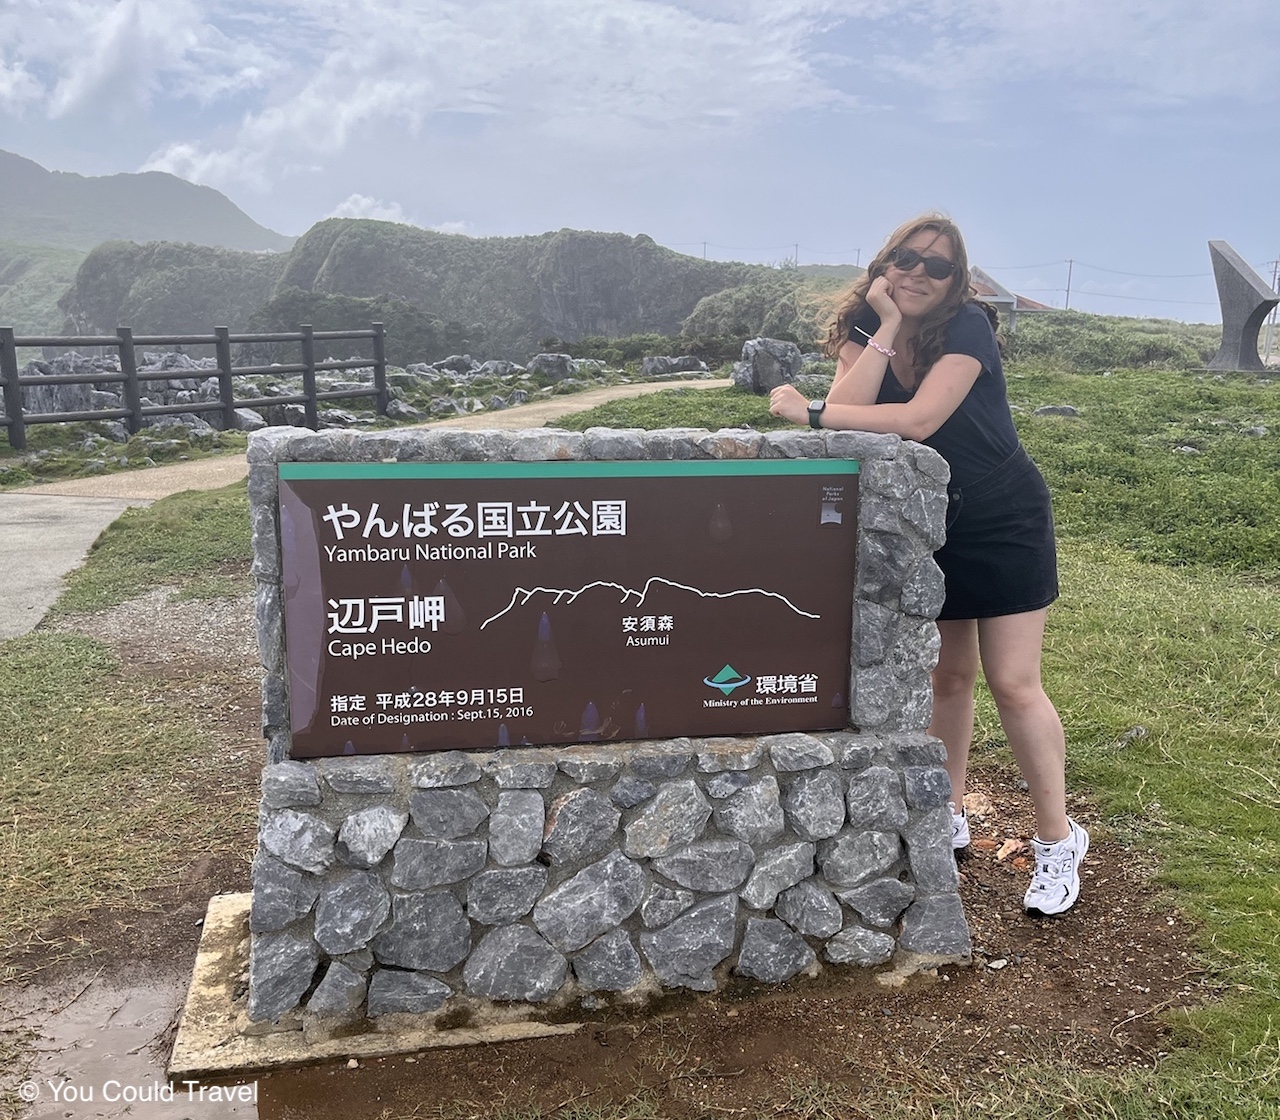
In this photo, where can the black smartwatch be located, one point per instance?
(815, 413)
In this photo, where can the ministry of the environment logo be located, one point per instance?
(727, 680)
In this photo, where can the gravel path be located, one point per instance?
(210, 474)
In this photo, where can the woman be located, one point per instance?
(917, 356)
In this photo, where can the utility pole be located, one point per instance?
(704, 250)
(1070, 266)
(796, 262)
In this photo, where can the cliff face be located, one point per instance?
(503, 294)
(168, 288)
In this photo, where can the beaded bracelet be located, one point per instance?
(887, 351)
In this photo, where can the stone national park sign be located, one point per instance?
(437, 606)
(638, 833)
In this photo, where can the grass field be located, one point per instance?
(1167, 489)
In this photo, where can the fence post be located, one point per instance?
(380, 368)
(129, 367)
(222, 348)
(309, 376)
(12, 390)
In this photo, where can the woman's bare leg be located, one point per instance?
(1010, 649)
(953, 679)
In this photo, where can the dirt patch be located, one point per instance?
(1089, 988)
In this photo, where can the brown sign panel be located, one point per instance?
(439, 606)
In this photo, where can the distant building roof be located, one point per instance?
(991, 290)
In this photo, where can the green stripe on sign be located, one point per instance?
(644, 468)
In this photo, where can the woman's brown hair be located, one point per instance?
(929, 341)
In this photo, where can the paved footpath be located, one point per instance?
(46, 529)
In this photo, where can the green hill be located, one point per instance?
(32, 278)
(68, 211)
(500, 296)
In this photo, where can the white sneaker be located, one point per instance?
(959, 827)
(1055, 886)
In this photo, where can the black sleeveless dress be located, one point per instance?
(1000, 556)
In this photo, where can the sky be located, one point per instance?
(1095, 143)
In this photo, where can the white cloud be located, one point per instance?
(1131, 55)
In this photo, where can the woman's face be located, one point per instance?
(914, 291)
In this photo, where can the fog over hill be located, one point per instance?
(68, 211)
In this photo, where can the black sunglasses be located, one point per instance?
(937, 268)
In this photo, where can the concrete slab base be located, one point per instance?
(216, 1041)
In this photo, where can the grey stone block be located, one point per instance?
(629, 791)
(515, 830)
(855, 752)
(581, 823)
(351, 908)
(879, 903)
(775, 871)
(708, 865)
(534, 445)
(936, 926)
(501, 896)
(427, 931)
(447, 768)
(814, 804)
(359, 775)
(281, 895)
(340, 993)
(793, 445)
(609, 964)
(287, 785)
(727, 784)
(585, 768)
(927, 786)
(797, 751)
(864, 446)
(299, 839)
(863, 947)
(875, 800)
(810, 909)
(513, 771)
(677, 815)
(731, 443)
(771, 952)
(717, 755)
(664, 904)
(614, 443)
(598, 898)
(368, 835)
(929, 852)
(392, 992)
(918, 749)
(281, 968)
(850, 860)
(447, 814)
(683, 954)
(675, 443)
(754, 814)
(924, 592)
(662, 761)
(419, 864)
(514, 963)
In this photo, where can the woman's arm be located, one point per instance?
(861, 363)
(946, 385)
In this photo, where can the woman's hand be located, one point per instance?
(880, 300)
(786, 401)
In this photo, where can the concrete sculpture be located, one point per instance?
(1246, 300)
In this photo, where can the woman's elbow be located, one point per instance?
(918, 429)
